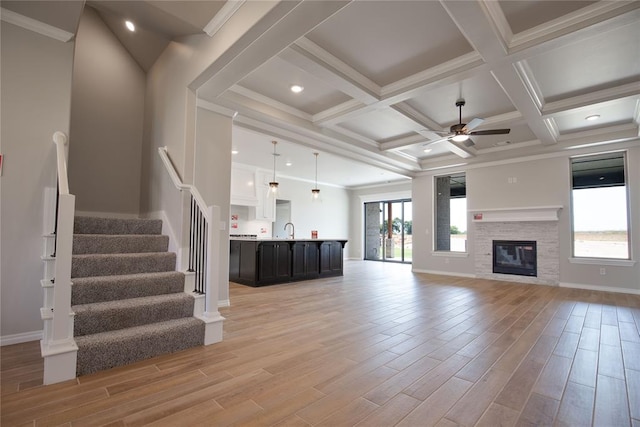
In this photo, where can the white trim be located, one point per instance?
(599, 288)
(224, 302)
(603, 261)
(207, 105)
(20, 338)
(34, 25)
(385, 197)
(444, 273)
(224, 14)
(450, 254)
(527, 213)
(255, 96)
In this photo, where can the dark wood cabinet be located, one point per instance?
(305, 260)
(274, 261)
(267, 262)
(331, 258)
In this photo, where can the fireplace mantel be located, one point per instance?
(532, 213)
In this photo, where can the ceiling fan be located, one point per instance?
(461, 132)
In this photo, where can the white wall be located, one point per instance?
(357, 198)
(107, 110)
(35, 102)
(540, 182)
(330, 217)
(213, 178)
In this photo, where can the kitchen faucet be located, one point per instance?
(293, 230)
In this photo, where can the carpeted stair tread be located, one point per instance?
(116, 348)
(93, 225)
(121, 314)
(119, 243)
(118, 264)
(88, 290)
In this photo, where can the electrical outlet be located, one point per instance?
(603, 271)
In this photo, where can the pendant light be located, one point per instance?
(273, 185)
(315, 192)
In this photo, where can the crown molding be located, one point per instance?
(531, 84)
(34, 25)
(227, 112)
(341, 68)
(248, 93)
(333, 113)
(596, 97)
(570, 23)
(224, 14)
(500, 24)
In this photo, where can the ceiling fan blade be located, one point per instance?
(469, 143)
(473, 124)
(435, 141)
(490, 132)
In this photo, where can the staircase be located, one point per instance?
(129, 301)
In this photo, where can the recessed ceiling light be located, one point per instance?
(130, 26)
(288, 163)
(427, 150)
(234, 151)
(296, 88)
(592, 117)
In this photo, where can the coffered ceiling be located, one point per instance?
(381, 80)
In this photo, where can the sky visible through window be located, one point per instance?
(458, 214)
(600, 209)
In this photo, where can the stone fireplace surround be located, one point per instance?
(539, 223)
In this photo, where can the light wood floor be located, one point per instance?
(378, 347)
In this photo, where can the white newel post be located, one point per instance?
(212, 318)
(60, 349)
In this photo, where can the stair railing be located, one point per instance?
(58, 346)
(204, 245)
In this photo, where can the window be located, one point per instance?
(451, 213)
(599, 206)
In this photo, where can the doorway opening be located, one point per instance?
(388, 231)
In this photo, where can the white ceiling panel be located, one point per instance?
(598, 62)
(390, 40)
(525, 14)
(615, 112)
(483, 95)
(380, 125)
(274, 79)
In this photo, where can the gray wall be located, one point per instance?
(36, 98)
(107, 112)
(540, 182)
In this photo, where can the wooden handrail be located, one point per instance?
(61, 141)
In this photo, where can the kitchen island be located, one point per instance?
(266, 262)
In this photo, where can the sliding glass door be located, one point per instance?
(388, 231)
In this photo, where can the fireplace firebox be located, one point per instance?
(515, 257)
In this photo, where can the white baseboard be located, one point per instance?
(443, 273)
(224, 303)
(20, 338)
(600, 288)
(113, 215)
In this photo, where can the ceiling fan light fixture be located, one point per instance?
(460, 137)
